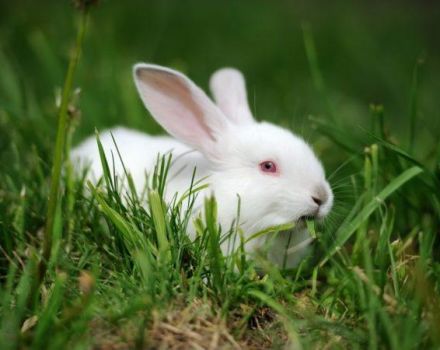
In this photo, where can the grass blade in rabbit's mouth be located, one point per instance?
(308, 222)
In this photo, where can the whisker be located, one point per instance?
(344, 164)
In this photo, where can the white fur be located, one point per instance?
(226, 144)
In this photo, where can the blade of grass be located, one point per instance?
(132, 236)
(60, 146)
(159, 219)
(346, 231)
(272, 229)
(48, 317)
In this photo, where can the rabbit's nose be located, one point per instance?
(320, 196)
(317, 200)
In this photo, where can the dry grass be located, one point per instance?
(197, 325)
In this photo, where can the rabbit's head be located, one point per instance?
(275, 173)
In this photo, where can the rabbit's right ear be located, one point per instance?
(180, 106)
(229, 90)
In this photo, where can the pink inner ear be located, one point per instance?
(175, 106)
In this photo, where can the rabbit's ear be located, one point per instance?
(229, 90)
(179, 106)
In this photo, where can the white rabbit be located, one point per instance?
(275, 173)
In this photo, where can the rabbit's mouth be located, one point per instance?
(301, 222)
(304, 218)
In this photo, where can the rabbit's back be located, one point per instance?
(138, 151)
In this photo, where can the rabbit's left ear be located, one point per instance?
(229, 90)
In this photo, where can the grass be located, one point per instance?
(120, 271)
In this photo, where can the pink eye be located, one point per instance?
(268, 166)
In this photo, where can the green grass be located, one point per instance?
(119, 270)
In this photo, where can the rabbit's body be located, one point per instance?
(275, 174)
(139, 152)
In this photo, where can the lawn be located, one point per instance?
(97, 266)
